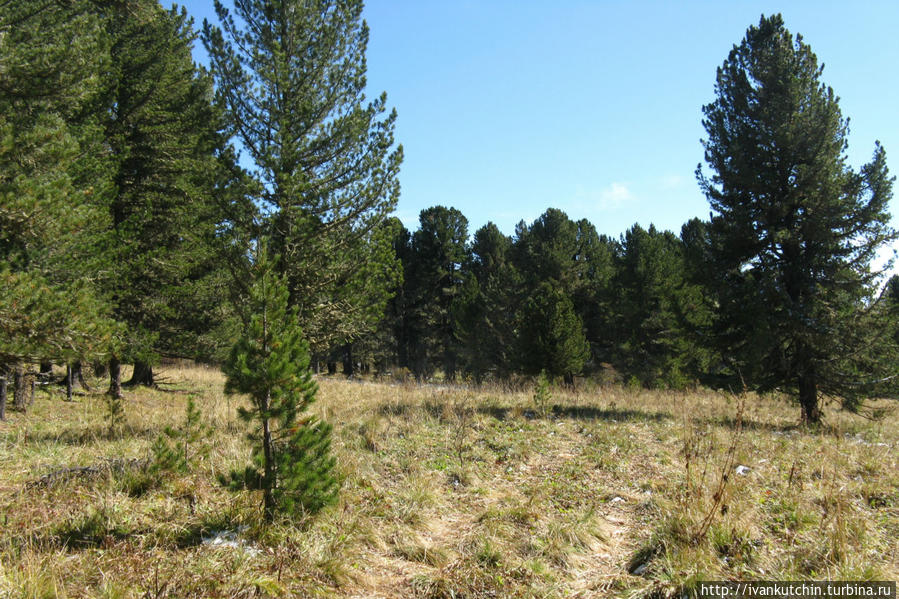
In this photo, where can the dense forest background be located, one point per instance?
(130, 226)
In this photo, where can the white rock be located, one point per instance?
(742, 470)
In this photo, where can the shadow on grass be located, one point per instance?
(90, 529)
(608, 414)
(575, 413)
(89, 434)
(768, 427)
(432, 408)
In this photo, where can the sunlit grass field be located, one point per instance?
(450, 492)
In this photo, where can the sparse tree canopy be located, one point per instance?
(794, 229)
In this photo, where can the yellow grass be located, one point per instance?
(453, 492)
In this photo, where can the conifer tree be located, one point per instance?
(656, 311)
(578, 262)
(162, 133)
(51, 58)
(551, 335)
(291, 461)
(485, 314)
(434, 281)
(291, 74)
(794, 229)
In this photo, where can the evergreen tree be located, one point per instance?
(385, 345)
(163, 212)
(485, 314)
(794, 228)
(578, 262)
(291, 462)
(292, 77)
(51, 59)
(178, 448)
(656, 311)
(549, 249)
(434, 281)
(551, 336)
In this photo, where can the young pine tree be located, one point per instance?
(291, 462)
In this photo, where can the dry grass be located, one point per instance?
(453, 493)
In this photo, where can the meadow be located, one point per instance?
(450, 492)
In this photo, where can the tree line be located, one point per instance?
(137, 190)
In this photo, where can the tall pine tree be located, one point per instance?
(291, 74)
(794, 229)
(52, 56)
(162, 138)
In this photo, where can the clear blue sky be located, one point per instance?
(508, 107)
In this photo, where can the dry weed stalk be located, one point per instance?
(718, 496)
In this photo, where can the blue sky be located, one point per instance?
(509, 107)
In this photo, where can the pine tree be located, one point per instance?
(578, 262)
(434, 281)
(794, 228)
(178, 448)
(551, 335)
(291, 461)
(292, 76)
(162, 212)
(485, 314)
(51, 60)
(657, 307)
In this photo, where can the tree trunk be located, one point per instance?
(808, 399)
(142, 375)
(3, 397)
(69, 378)
(19, 388)
(348, 366)
(402, 350)
(268, 480)
(569, 380)
(449, 367)
(115, 378)
(99, 369)
(78, 375)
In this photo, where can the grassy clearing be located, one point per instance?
(451, 493)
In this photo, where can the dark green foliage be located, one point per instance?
(485, 313)
(386, 345)
(164, 208)
(433, 282)
(291, 75)
(551, 335)
(52, 56)
(291, 460)
(577, 261)
(657, 310)
(794, 228)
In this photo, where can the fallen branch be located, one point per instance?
(109, 466)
